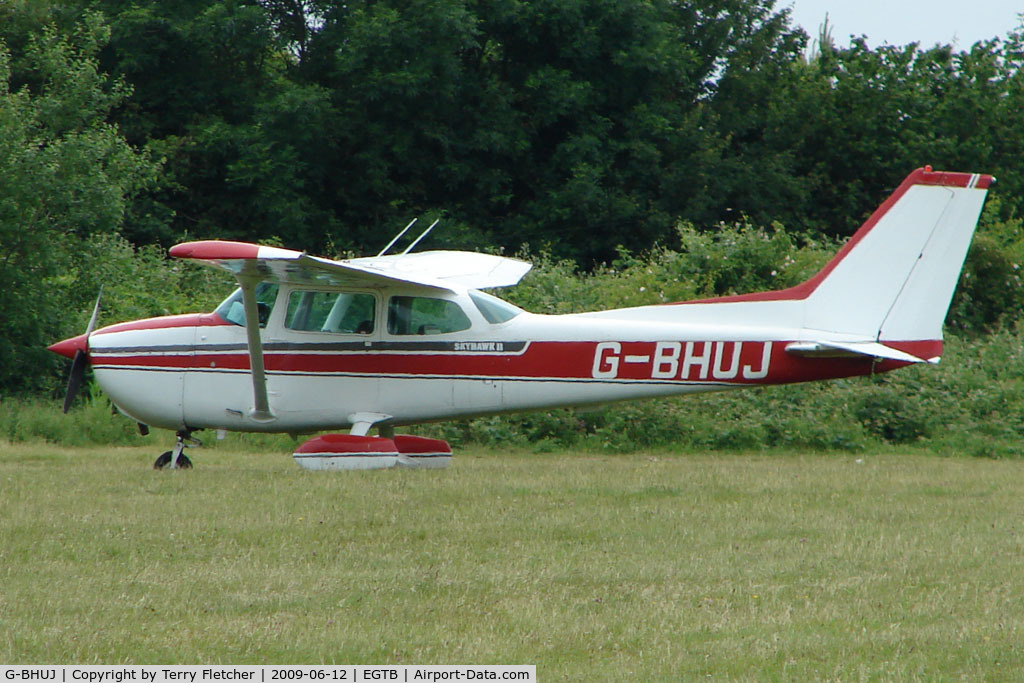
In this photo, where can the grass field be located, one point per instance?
(648, 566)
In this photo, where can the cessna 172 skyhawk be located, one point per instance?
(307, 344)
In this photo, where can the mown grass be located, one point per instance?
(592, 567)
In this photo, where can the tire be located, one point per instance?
(163, 461)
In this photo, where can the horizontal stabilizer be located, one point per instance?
(835, 349)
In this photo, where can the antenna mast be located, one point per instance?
(397, 237)
(422, 235)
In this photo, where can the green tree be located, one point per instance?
(573, 125)
(200, 71)
(65, 174)
(840, 131)
(578, 124)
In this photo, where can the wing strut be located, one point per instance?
(261, 411)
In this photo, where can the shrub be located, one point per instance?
(891, 415)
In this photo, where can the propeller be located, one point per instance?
(81, 360)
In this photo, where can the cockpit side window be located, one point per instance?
(336, 312)
(425, 315)
(233, 310)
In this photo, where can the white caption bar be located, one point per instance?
(266, 674)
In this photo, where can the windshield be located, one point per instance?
(233, 310)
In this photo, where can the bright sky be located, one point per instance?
(898, 22)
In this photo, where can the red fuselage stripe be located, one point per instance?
(718, 362)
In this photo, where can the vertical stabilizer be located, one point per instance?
(895, 278)
(885, 294)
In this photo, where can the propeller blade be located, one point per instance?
(76, 379)
(95, 313)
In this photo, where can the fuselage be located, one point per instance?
(417, 359)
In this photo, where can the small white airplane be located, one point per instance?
(307, 344)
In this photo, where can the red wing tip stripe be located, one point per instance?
(215, 249)
(225, 250)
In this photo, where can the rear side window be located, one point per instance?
(425, 315)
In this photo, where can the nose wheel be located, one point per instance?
(181, 462)
(177, 459)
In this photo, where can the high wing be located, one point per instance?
(440, 270)
(463, 268)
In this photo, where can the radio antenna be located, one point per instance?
(422, 235)
(397, 237)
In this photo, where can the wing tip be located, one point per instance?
(227, 250)
(210, 250)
